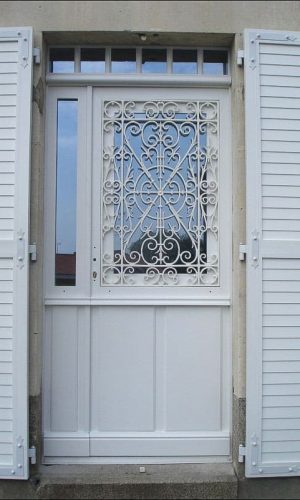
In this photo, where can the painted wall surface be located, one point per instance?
(166, 16)
(180, 22)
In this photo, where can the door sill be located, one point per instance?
(136, 460)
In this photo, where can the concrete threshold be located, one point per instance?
(176, 481)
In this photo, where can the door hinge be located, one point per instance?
(240, 57)
(36, 54)
(32, 252)
(242, 453)
(243, 252)
(32, 455)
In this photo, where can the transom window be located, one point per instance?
(141, 60)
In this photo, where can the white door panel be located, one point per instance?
(122, 369)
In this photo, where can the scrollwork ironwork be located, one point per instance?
(160, 193)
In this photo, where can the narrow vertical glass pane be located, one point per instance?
(215, 62)
(92, 60)
(62, 60)
(185, 61)
(66, 186)
(154, 60)
(123, 60)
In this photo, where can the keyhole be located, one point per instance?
(94, 275)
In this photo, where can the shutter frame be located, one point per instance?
(14, 246)
(256, 443)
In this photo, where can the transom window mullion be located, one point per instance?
(138, 60)
(108, 60)
(77, 59)
(169, 60)
(200, 61)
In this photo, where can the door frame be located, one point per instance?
(85, 294)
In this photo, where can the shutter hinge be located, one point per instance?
(32, 455)
(240, 57)
(36, 54)
(255, 248)
(243, 251)
(242, 453)
(32, 252)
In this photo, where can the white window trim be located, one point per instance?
(141, 80)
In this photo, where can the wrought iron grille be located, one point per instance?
(160, 193)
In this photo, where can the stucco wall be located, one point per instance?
(181, 22)
(174, 16)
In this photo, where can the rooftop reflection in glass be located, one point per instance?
(92, 60)
(215, 62)
(154, 60)
(185, 61)
(62, 60)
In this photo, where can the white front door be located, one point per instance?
(143, 357)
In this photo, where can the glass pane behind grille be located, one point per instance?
(160, 194)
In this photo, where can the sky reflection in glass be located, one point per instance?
(164, 207)
(92, 60)
(123, 60)
(62, 60)
(215, 62)
(154, 60)
(66, 186)
(185, 61)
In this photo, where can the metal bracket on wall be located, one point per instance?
(240, 57)
(242, 453)
(243, 252)
(32, 252)
(36, 53)
(32, 455)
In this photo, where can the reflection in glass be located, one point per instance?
(184, 61)
(163, 194)
(92, 60)
(154, 60)
(66, 185)
(123, 60)
(62, 60)
(215, 62)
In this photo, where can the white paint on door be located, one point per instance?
(135, 374)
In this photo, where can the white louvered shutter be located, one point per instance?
(15, 112)
(272, 94)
